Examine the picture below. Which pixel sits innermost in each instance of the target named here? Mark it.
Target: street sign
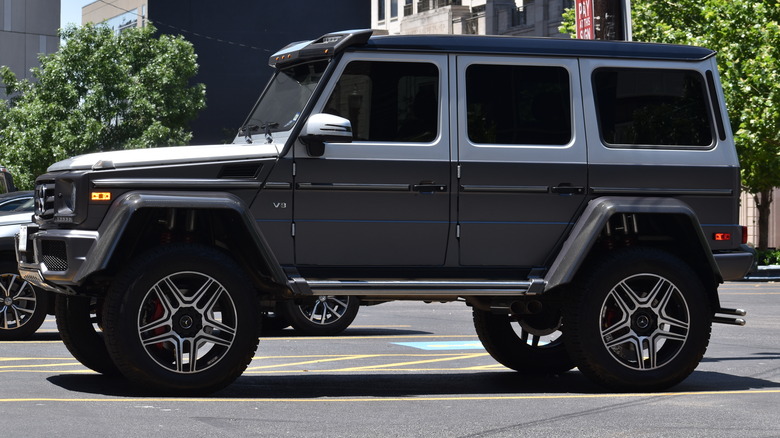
(585, 19)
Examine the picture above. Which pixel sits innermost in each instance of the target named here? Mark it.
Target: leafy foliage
(768, 257)
(100, 91)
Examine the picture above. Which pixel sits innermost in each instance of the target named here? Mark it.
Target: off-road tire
(171, 298)
(638, 296)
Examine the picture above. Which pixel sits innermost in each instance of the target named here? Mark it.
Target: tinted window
(388, 101)
(20, 204)
(652, 107)
(509, 104)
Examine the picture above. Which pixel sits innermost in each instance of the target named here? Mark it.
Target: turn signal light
(100, 196)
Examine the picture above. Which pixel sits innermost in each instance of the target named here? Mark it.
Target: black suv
(580, 196)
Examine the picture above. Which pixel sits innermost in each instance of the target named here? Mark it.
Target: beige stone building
(748, 215)
(118, 14)
(479, 17)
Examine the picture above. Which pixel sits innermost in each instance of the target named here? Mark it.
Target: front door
(384, 199)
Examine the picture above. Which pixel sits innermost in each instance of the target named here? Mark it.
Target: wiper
(267, 126)
(247, 131)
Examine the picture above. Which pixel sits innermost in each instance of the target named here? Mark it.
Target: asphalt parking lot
(405, 369)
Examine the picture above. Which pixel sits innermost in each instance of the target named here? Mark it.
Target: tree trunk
(763, 201)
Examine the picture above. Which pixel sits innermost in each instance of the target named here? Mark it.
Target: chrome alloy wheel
(326, 309)
(187, 322)
(19, 301)
(644, 321)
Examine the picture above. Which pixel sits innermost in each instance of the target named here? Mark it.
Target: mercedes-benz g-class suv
(580, 196)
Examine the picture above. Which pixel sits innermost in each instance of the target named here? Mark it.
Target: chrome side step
(422, 288)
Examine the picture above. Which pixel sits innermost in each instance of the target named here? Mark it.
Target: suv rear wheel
(182, 318)
(325, 315)
(641, 321)
(520, 346)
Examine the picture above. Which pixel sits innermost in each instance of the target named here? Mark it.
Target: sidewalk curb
(764, 273)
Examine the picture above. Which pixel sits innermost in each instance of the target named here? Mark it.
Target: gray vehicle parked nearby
(580, 196)
(23, 307)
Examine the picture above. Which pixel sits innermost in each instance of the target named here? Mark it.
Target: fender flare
(593, 220)
(122, 210)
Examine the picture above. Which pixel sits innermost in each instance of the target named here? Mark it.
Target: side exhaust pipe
(730, 320)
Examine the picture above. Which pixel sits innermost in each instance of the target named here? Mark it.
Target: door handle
(429, 187)
(568, 189)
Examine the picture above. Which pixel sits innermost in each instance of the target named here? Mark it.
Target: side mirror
(324, 128)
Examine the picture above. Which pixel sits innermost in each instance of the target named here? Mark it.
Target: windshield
(281, 105)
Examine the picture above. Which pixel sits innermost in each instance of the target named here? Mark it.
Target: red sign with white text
(585, 19)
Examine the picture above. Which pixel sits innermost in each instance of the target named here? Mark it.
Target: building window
(380, 10)
(393, 8)
(534, 107)
(408, 8)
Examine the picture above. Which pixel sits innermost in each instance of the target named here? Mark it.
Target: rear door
(522, 158)
(384, 199)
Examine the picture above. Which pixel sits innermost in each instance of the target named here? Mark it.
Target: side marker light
(100, 196)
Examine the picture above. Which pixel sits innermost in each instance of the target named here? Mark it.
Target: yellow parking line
(11, 359)
(748, 293)
(390, 399)
(347, 337)
(493, 366)
(357, 356)
(50, 371)
(30, 342)
(392, 365)
(4, 367)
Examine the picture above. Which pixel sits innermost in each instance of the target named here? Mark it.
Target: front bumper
(53, 259)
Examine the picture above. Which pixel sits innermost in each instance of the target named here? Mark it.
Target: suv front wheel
(640, 322)
(182, 318)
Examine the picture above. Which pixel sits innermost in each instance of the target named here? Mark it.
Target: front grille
(44, 199)
(54, 255)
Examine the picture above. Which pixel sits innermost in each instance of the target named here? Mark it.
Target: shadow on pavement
(318, 385)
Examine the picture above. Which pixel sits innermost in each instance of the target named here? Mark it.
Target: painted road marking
(416, 362)
(450, 345)
(392, 399)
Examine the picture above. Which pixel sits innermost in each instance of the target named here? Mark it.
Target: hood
(166, 155)
(15, 218)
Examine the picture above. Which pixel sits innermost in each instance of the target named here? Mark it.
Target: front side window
(388, 101)
(281, 105)
(518, 105)
(652, 107)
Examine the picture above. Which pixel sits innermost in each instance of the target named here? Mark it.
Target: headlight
(68, 205)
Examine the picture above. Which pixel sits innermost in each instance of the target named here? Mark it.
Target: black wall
(235, 38)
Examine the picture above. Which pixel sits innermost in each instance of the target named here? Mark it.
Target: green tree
(746, 35)
(100, 91)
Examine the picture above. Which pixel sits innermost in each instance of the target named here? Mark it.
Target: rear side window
(388, 101)
(652, 108)
(518, 104)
